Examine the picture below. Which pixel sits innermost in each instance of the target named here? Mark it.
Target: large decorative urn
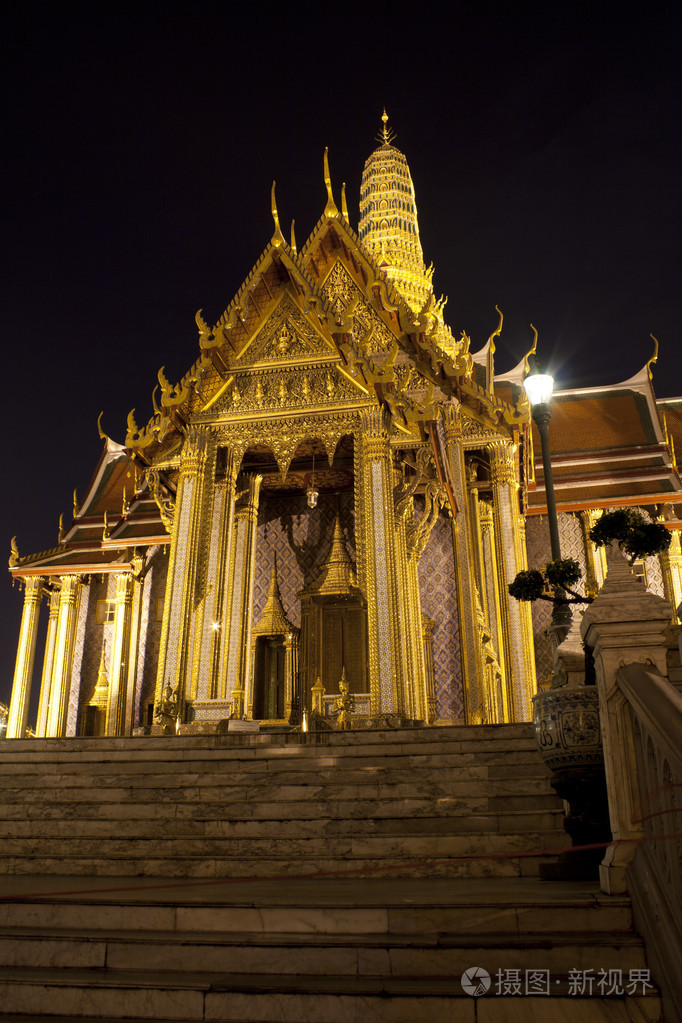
(566, 724)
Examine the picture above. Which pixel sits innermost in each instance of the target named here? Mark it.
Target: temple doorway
(269, 678)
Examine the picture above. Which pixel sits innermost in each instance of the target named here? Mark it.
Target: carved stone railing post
(624, 625)
(23, 671)
(60, 689)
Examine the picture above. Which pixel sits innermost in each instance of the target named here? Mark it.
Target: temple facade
(332, 500)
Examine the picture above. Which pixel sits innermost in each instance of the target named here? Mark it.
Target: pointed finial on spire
(344, 207)
(654, 357)
(330, 209)
(386, 135)
(293, 239)
(278, 237)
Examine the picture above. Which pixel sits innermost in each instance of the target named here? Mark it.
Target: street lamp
(539, 387)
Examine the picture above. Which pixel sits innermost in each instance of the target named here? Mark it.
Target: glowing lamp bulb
(312, 494)
(539, 387)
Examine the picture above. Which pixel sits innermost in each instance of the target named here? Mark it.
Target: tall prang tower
(389, 228)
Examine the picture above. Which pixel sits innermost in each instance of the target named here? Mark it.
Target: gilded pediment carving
(280, 389)
(342, 294)
(286, 336)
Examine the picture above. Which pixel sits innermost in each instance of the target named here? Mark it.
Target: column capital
(502, 462)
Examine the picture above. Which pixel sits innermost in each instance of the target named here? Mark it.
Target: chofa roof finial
(278, 237)
(330, 209)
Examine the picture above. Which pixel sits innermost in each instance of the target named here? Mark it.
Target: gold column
(207, 676)
(463, 545)
(185, 562)
(67, 617)
(48, 660)
(515, 616)
(238, 674)
(133, 644)
(591, 584)
(428, 625)
(377, 552)
(119, 655)
(409, 615)
(290, 670)
(23, 671)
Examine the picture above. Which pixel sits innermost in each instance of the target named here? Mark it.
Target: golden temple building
(337, 489)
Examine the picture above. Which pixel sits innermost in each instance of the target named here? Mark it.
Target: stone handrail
(654, 878)
(635, 646)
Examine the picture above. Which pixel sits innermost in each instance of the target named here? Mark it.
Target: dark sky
(141, 141)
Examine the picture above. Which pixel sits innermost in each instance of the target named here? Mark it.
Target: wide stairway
(327, 877)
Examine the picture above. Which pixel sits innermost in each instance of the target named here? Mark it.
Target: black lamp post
(539, 387)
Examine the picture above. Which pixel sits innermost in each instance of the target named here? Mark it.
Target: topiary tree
(636, 537)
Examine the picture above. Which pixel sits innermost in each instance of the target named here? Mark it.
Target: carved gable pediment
(286, 336)
(342, 293)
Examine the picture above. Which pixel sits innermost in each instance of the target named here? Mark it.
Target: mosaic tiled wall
(150, 632)
(301, 537)
(539, 553)
(89, 640)
(438, 595)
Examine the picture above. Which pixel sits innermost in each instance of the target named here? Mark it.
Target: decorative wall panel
(301, 537)
(438, 595)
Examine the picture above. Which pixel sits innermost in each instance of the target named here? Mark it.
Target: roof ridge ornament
(278, 237)
(344, 205)
(653, 359)
(385, 135)
(330, 209)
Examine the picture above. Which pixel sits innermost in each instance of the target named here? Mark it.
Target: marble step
(476, 764)
(204, 787)
(396, 737)
(388, 906)
(300, 810)
(326, 825)
(437, 954)
(501, 865)
(253, 758)
(287, 999)
(304, 848)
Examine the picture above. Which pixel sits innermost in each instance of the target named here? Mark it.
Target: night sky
(141, 143)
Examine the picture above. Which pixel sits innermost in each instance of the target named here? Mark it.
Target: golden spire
(278, 237)
(273, 621)
(330, 209)
(101, 692)
(388, 221)
(337, 574)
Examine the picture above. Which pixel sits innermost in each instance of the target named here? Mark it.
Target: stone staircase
(324, 877)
